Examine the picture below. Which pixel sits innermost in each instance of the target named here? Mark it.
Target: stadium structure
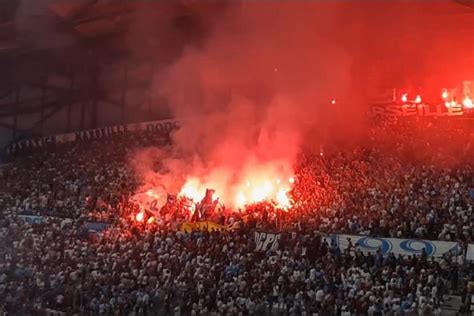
(72, 65)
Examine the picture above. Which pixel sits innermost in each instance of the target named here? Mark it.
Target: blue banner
(405, 247)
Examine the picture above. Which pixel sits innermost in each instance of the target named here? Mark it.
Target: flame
(467, 102)
(333, 101)
(193, 190)
(258, 194)
(265, 190)
(140, 216)
(150, 220)
(240, 200)
(259, 188)
(282, 199)
(418, 99)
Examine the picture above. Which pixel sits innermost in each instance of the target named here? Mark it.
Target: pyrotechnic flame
(417, 99)
(193, 190)
(333, 101)
(259, 194)
(259, 188)
(240, 200)
(453, 103)
(467, 102)
(282, 199)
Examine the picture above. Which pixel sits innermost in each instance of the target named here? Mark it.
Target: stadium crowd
(409, 179)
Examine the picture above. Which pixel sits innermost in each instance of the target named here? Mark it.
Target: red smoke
(259, 87)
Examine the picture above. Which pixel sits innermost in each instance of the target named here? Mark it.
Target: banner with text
(266, 241)
(163, 126)
(410, 110)
(405, 247)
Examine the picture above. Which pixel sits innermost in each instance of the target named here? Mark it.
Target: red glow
(333, 101)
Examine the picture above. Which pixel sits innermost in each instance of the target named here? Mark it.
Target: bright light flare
(333, 101)
(240, 200)
(150, 220)
(282, 199)
(257, 189)
(192, 190)
(266, 182)
(262, 190)
(444, 94)
(467, 102)
(259, 194)
(404, 97)
(418, 99)
(140, 216)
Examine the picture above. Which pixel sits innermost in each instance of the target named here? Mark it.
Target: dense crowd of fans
(408, 179)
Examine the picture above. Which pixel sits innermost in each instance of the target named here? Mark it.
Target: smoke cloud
(260, 86)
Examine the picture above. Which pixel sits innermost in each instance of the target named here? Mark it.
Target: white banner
(405, 247)
(266, 241)
(427, 110)
(153, 126)
(470, 252)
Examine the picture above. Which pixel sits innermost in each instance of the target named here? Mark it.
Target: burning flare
(444, 94)
(260, 187)
(404, 97)
(140, 216)
(467, 102)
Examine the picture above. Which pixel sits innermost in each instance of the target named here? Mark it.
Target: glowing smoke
(258, 90)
